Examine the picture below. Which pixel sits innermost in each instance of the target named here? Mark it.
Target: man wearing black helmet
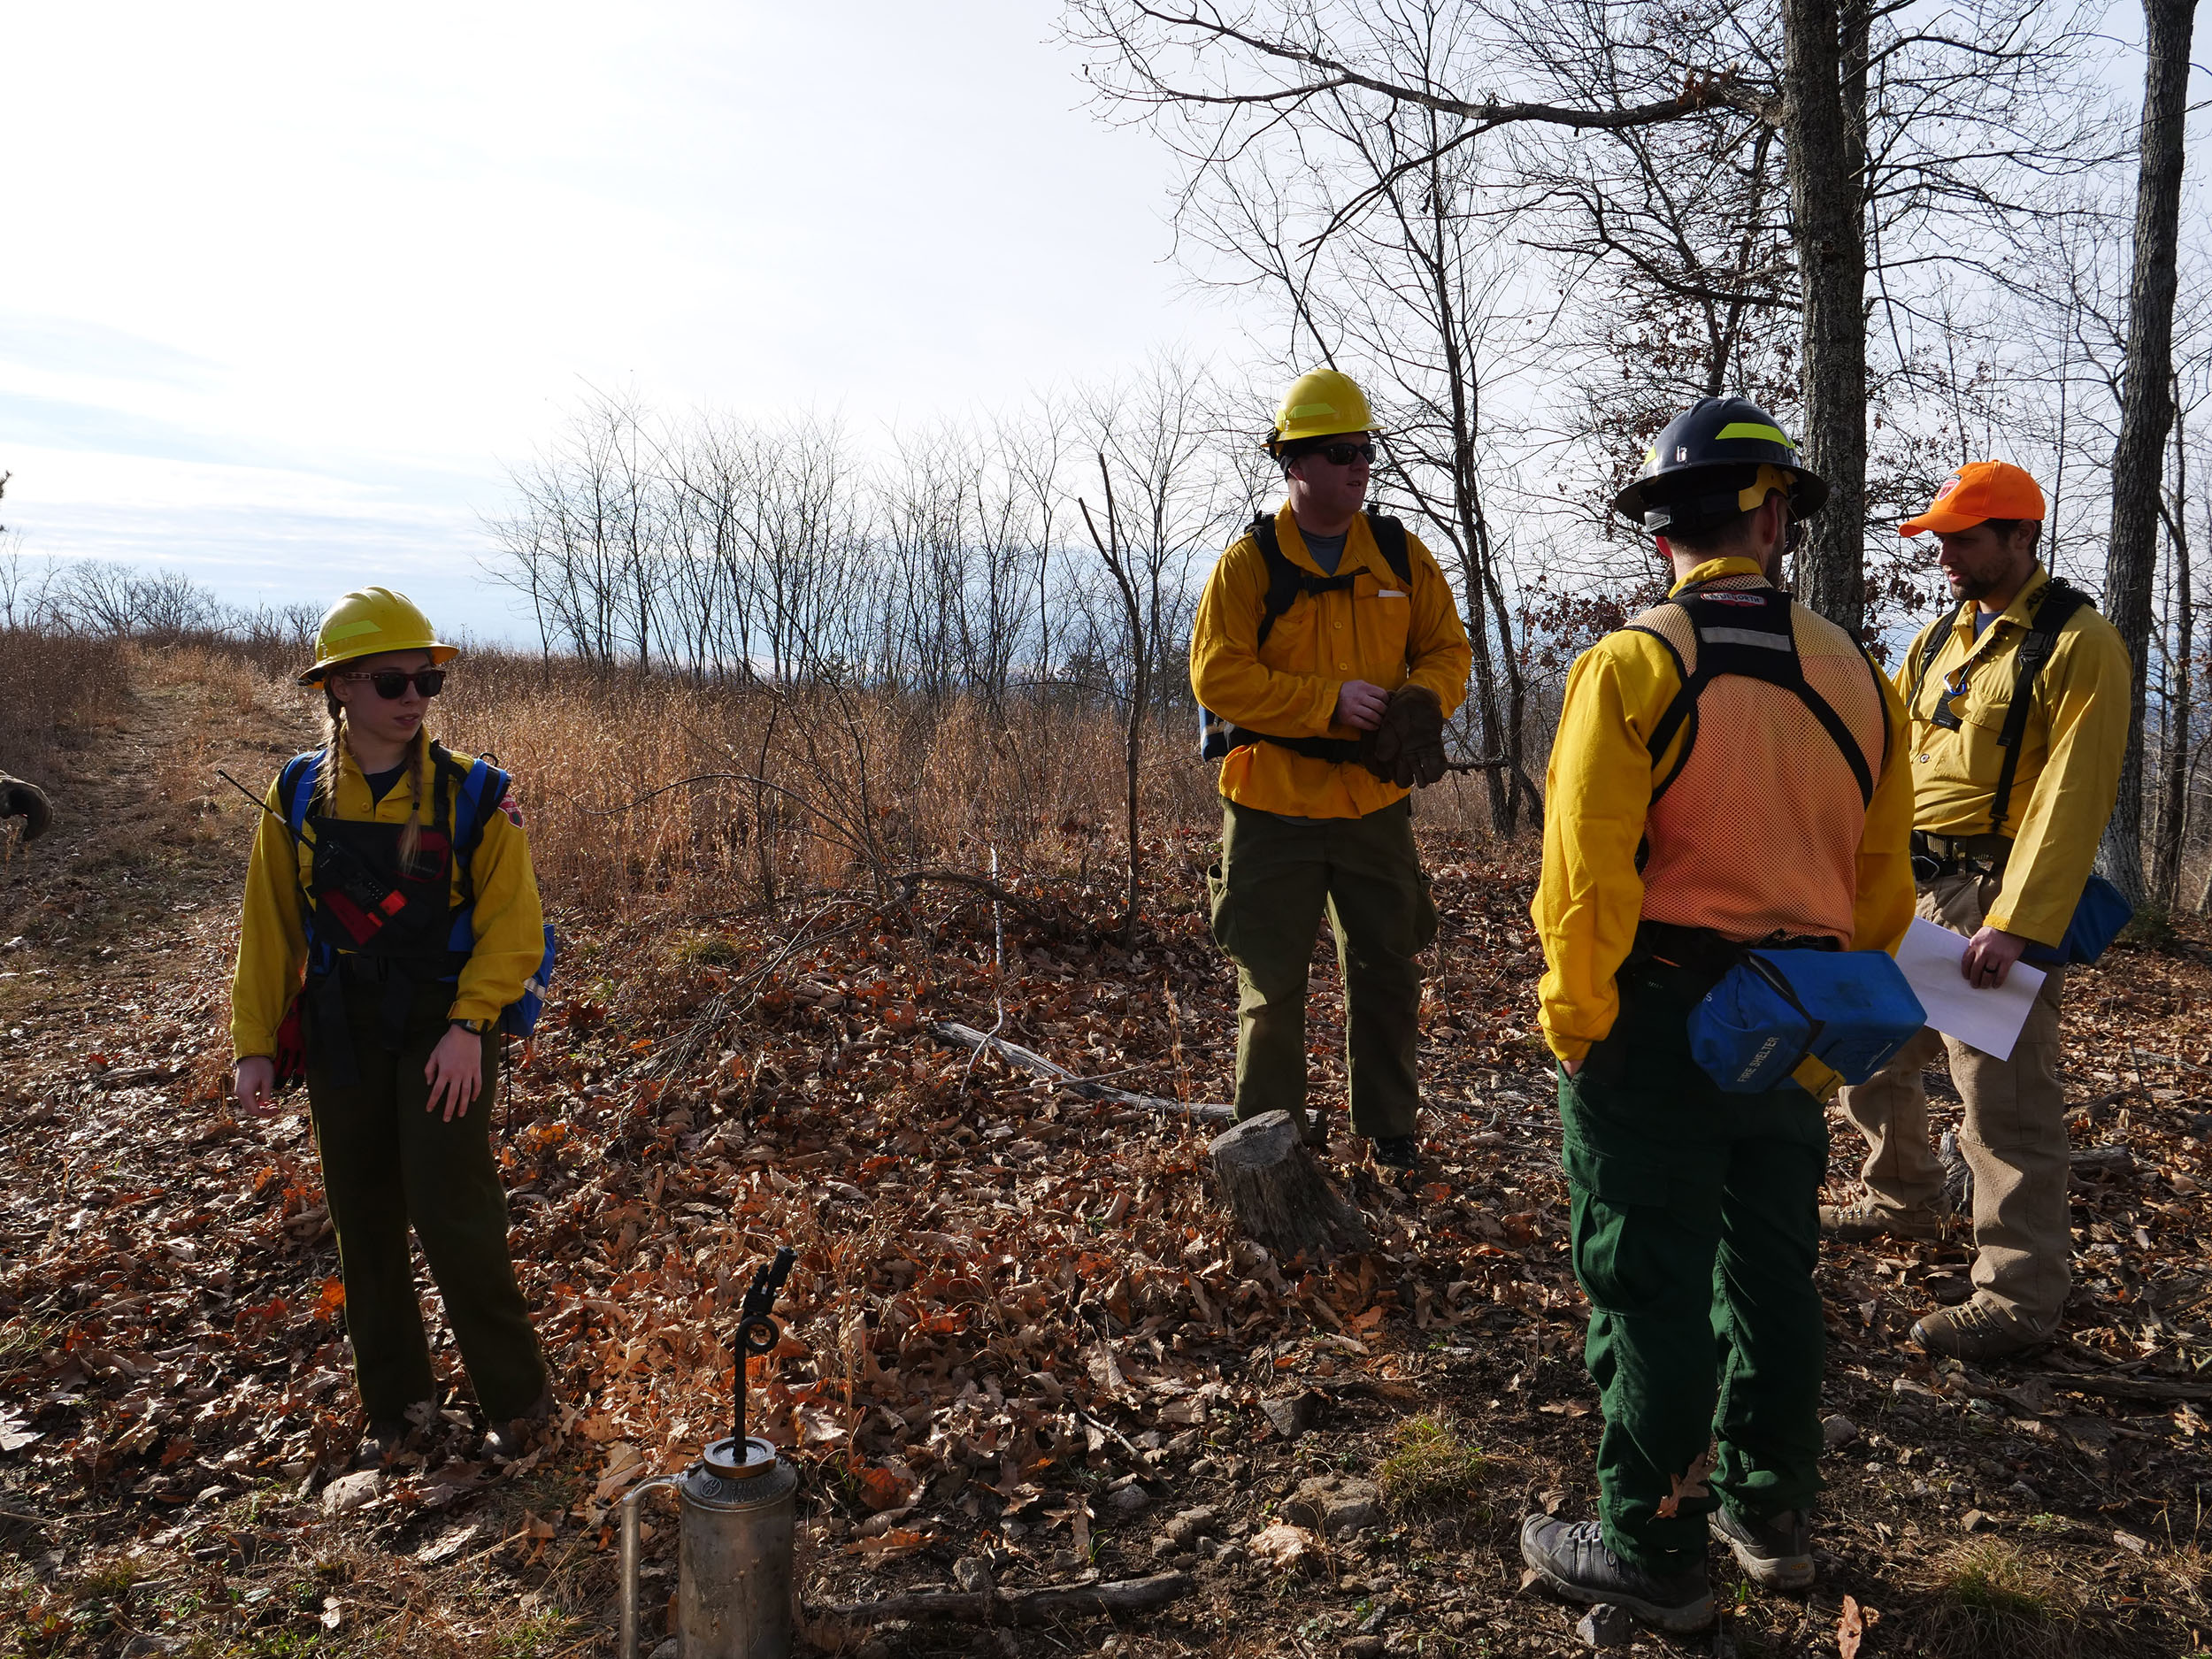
(1727, 772)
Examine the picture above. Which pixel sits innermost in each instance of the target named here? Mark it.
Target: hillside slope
(1022, 1336)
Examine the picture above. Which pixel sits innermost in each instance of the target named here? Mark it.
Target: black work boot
(1572, 1557)
(1397, 1152)
(1777, 1552)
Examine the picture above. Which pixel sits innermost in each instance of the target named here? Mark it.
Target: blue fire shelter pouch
(1847, 1011)
(2097, 922)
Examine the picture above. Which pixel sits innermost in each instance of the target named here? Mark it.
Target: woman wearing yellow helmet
(391, 915)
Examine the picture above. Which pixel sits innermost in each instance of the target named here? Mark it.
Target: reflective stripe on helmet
(1752, 429)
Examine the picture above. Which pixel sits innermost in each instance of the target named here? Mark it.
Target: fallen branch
(1029, 1060)
(1058, 927)
(2128, 1387)
(1023, 1607)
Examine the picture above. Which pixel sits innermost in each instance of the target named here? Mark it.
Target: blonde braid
(411, 833)
(334, 737)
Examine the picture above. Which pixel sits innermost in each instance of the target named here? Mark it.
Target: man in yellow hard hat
(1328, 648)
(2019, 701)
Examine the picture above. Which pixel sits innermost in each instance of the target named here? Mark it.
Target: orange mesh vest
(1753, 830)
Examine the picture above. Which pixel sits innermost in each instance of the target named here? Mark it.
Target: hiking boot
(506, 1441)
(380, 1442)
(1870, 1218)
(1975, 1330)
(1777, 1552)
(1572, 1557)
(1397, 1152)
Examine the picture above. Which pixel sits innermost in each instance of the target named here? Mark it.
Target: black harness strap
(2053, 612)
(2055, 608)
(324, 996)
(1747, 632)
(1285, 582)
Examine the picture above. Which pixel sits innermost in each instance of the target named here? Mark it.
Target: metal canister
(736, 1508)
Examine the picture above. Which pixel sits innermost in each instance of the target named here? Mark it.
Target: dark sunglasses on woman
(391, 683)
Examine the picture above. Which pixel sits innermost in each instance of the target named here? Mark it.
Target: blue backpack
(475, 796)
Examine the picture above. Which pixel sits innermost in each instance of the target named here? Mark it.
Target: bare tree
(2146, 410)
(1950, 125)
(1167, 509)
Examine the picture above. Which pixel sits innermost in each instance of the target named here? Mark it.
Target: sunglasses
(1345, 454)
(391, 683)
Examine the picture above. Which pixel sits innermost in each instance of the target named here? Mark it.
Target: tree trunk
(2146, 406)
(2173, 760)
(1824, 126)
(1279, 1197)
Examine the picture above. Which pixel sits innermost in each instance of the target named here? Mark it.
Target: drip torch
(736, 1505)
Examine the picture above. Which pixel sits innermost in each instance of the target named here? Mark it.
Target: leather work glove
(1407, 748)
(28, 801)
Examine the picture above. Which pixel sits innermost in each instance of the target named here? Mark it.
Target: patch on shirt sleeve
(511, 808)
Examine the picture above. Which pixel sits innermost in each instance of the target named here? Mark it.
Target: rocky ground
(1025, 1346)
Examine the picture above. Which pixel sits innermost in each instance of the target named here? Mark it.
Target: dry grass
(59, 690)
(793, 790)
(1995, 1598)
(1431, 1464)
(814, 790)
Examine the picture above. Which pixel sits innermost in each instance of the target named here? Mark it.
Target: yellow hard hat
(369, 622)
(1320, 404)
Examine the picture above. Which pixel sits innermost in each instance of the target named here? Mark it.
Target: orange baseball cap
(1978, 490)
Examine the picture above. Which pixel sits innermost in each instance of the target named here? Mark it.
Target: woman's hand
(456, 1073)
(257, 1085)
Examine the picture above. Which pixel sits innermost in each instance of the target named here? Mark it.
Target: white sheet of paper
(1988, 1019)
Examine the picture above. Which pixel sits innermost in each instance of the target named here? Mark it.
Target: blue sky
(287, 289)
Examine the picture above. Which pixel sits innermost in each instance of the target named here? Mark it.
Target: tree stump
(1280, 1197)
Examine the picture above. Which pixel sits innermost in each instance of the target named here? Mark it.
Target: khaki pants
(2014, 1138)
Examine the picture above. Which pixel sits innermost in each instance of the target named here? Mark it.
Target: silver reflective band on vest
(1746, 636)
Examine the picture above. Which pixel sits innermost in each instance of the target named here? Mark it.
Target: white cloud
(280, 271)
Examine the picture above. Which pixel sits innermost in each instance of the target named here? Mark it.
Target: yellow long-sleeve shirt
(510, 922)
(1374, 631)
(2069, 754)
(1760, 849)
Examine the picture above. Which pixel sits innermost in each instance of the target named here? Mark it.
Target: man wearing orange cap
(2007, 817)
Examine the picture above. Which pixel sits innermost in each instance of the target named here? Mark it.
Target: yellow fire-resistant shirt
(271, 964)
(1764, 850)
(1374, 631)
(2069, 754)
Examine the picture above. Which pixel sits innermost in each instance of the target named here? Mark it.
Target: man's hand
(1989, 957)
(1360, 705)
(1408, 748)
(1570, 1067)
(456, 1073)
(257, 1085)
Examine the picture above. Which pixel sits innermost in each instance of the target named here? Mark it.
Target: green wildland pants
(1696, 1230)
(388, 1163)
(1278, 877)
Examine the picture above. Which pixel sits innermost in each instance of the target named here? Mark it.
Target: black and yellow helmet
(1718, 458)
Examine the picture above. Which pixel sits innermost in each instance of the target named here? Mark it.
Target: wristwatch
(474, 1027)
